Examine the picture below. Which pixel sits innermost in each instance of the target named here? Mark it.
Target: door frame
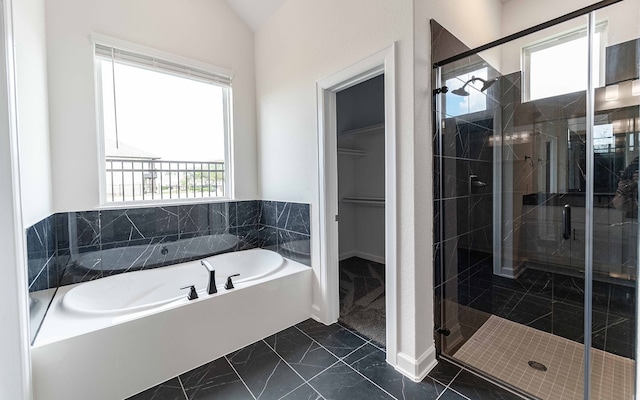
(15, 349)
(381, 62)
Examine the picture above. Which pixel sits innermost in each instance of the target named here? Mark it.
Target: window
(476, 101)
(558, 65)
(165, 126)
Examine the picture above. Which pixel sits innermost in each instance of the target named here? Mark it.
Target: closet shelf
(352, 152)
(366, 129)
(372, 201)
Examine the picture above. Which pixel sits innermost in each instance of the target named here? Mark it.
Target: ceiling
(255, 13)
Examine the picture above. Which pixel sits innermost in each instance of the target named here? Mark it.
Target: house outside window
(164, 125)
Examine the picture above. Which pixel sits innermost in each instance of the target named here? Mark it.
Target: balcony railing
(131, 179)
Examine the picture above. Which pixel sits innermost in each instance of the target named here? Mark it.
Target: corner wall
(203, 30)
(33, 113)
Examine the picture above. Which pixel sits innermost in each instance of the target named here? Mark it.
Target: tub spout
(211, 286)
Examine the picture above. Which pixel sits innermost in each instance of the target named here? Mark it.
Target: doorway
(327, 308)
(361, 198)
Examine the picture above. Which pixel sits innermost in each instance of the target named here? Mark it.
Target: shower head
(461, 91)
(486, 84)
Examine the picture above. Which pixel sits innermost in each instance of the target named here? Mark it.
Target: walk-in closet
(361, 208)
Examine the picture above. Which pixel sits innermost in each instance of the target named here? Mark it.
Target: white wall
(32, 104)
(203, 30)
(303, 42)
(362, 227)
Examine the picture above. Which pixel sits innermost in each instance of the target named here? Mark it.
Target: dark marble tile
(169, 390)
(437, 266)
(268, 214)
(342, 382)
(370, 362)
(444, 372)
(193, 219)
(203, 245)
(136, 255)
(52, 271)
(529, 309)
(36, 240)
(36, 263)
(83, 264)
(301, 353)
(449, 394)
(304, 392)
(219, 217)
(618, 347)
(295, 246)
(84, 229)
(40, 281)
(215, 380)
(267, 237)
(244, 213)
(336, 339)
(61, 227)
(266, 375)
(248, 237)
(293, 217)
(474, 387)
(138, 223)
(622, 300)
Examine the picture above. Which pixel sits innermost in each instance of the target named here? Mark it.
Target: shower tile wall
(67, 248)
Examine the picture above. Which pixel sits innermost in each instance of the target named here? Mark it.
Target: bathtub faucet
(211, 287)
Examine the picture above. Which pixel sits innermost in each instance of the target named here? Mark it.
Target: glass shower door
(530, 155)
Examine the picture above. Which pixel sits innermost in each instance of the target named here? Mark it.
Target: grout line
(341, 359)
(183, 389)
(283, 360)
(305, 381)
(239, 377)
(375, 384)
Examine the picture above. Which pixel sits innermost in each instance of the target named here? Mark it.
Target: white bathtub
(142, 290)
(139, 329)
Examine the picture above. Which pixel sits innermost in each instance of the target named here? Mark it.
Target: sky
(173, 118)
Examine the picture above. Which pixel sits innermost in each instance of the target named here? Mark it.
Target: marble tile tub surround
(314, 361)
(74, 247)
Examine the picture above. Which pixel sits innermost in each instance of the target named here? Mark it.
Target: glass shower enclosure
(536, 206)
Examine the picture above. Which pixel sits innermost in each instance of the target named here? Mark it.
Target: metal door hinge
(443, 89)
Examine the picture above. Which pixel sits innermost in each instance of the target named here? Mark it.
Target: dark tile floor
(549, 301)
(315, 361)
(362, 298)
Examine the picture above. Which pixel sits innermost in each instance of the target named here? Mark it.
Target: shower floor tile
(503, 348)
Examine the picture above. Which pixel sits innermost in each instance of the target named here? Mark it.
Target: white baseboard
(417, 369)
(365, 256)
(347, 255)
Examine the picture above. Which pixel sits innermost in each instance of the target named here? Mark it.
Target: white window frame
(104, 40)
(555, 40)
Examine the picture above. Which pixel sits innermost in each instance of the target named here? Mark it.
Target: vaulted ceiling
(255, 12)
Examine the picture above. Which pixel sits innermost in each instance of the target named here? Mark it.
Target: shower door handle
(566, 222)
